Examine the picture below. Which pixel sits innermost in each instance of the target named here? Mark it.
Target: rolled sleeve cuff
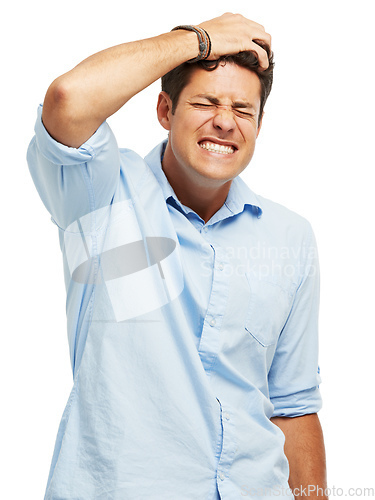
(298, 404)
(59, 154)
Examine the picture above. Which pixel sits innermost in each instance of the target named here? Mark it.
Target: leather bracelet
(209, 43)
(203, 39)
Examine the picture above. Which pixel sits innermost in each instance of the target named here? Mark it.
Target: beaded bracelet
(203, 39)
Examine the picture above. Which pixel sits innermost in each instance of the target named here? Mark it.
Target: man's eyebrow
(243, 104)
(236, 104)
(208, 97)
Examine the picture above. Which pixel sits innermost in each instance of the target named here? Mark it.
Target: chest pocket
(269, 307)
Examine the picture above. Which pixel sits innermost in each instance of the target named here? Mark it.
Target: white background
(314, 155)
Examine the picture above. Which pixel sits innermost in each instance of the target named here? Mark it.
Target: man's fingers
(266, 38)
(234, 33)
(261, 54)
(259, 39)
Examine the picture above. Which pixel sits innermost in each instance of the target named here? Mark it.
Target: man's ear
(164, 110)
(260, 124)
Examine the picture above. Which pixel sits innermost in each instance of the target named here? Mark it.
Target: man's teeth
(217, 148)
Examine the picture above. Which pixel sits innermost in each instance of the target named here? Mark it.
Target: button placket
(210, 339)
(229, 444)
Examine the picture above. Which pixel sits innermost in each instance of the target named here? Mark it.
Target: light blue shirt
(185, 337)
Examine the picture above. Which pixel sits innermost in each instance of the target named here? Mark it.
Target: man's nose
(224, 119)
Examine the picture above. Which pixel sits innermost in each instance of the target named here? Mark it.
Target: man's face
(214, 127)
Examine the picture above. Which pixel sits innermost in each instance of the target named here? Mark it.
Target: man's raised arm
(78, 102)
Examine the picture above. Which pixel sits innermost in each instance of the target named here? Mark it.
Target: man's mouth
(217, 148)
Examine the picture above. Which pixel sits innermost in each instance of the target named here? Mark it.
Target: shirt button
(205, 229)
(226, 416)
(213, 322)
(220, 266)
(221, 476)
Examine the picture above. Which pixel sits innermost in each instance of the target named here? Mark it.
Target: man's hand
(233, 33)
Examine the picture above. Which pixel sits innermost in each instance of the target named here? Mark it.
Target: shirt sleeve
(294, 374)
(73, 182)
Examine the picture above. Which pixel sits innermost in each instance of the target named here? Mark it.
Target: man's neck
(206, 203)
(204, 200)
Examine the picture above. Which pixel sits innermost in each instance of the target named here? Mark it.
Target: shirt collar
(153, 160)
(240, 196)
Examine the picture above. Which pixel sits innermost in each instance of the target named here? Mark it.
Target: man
(191, 301)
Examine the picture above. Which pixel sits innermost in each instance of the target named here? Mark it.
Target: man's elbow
(63, 113)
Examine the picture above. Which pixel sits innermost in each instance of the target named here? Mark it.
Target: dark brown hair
(174, 82)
